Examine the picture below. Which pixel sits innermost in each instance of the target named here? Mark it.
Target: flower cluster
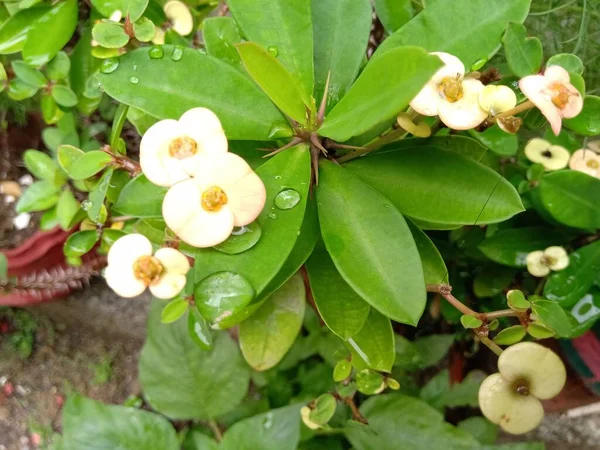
(587, 161)
(552, 157)
(541, 262)
(180, 20)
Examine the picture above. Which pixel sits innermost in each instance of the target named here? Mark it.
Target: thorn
(332, 144)
(314, 157)
(314, 139)
(323, 105)
(293, 142)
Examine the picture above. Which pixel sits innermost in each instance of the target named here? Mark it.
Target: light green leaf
(383, 89)
(132, 8)
(341, 31)
(3, 266)
(109, 34)
(274, 80)
(450, 26)
(59, 67)
(511, 335)
(66, 208)
(83, 64)
(13, 32)
(291, 40)
(553, 316)
(470, 321)
(64, 96)
(197, 440)
(439, 186)
(370, 244)
(144, 30)
(184, 382)
(269, 333)
(19, 90)
(587, 122)
(393, 14)
(40, 165)
(167, 89)
(571, 198)
(539, 331)
(374, 346)
(434, 268)
(174, 310)
(28, 74)
(567, 61)
(524, 54)
(67, 155)
(343, 310)
(97, 195)
(140, 120)
(51, 33)
(39, 196)
(89, 164)
(89, 425)
(141, 198)
(220, 36)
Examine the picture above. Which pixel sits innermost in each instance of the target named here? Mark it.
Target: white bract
(586, 161)
(305, 415)
(171, 147)
(496, 99)
(224, 193)
(451, 96)
(132, 268)
(552, 157)
(541, 262)
(528, 373)
(180, 17)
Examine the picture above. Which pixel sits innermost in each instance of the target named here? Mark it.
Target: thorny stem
(376, 145)
(123, 162)
(214, 427)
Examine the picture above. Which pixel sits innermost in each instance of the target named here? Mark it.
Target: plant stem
(445, 291)
(214, 426)
(502, 313)
(356, 414)
(490, 344)
(528, 104)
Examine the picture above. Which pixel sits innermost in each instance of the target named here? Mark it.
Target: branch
(445, 290)
(214, 426)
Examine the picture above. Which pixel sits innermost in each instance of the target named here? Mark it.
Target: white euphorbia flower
(451, 96)
(170, 147)
(552, 157)
(586, 161)
(305, 415)
(180, 17)
(496, 99)
(541, 262)
(553, 94)
(528, 373)
(223, 193)
(132, 268)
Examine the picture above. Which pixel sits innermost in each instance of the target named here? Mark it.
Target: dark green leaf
(524, 54)
(220, 36)
(492, 280)
(184, 382)
(567, 61)
(386, 86)
(174, 310)
(481, 429)
(552, 316)
(88, 164)
(167, 88)
(64, 96)
(585, 313)
(242, 239)
(222, 295)
(84, 65)
(373, 346)
(28, 74)
(498, 141)
(432, 349)
(39, 196)
(97, 196)
(370, 244)
(80, 243)
(434, 268)
(13, 32)
(587, 122)
(197, 440)
(394, 13)
(140, 198)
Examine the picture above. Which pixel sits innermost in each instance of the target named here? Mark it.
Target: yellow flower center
(183, 147)
(592, 163)
(213, 199)
(147, 269)
(559, 95)
(451, 88)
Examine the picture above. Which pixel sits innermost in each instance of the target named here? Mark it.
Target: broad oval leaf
(341, 31)
(587, 122)
(385, 87)
(141, 198)
(370, 244)
(343, 310)
(374, 345)
(439, 186)
(274, 80)
(13, 31)
(80, 243)
(524, 54)
(394, 13)
(434, 267)
(269, 333)
(552, 316)
(89, 164)
(39, 196)
(88, 425)
(184, 382)
(569, 285)
(510, 247)
(567, 61)
(132, 8)
(220, 36)
(167, 88)
(450, 26)
(291, 40)
(571, 198)
(40, 165)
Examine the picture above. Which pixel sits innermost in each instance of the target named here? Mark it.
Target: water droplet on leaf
(134, 80)
(86, 204)
(202, 51)
(222, 295)
(156, 52)
(241, 239)
(272, 215)
(109, 65)
(273, 50)
(198, 330)
(177, 53)
(287, 199)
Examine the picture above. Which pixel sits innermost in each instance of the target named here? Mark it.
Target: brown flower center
(183, 147)
(213, 199)
(147, 269)
(521, 387)
(559, 95)
(548, 260)
(547, 154)
(451, 88)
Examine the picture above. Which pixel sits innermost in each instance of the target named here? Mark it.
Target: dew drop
(277, 177)
(287, 199)
(135, 67)
(278, 132)
(177, 53)
(273, 50)
(241, 239)
(109, 65)
(86, 204)
(202, 51)
(272, 215)
(156, 52)
(134, 80)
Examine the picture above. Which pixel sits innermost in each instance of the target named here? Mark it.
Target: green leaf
(220, 36)
(470, 321)
(569, 285)
(197, 440)
(370, 244)
(66, 208)
(89, 164)
(58, 69)
(144, 29)
(83, 64)
(373, 347)
(341, 31)
(571, 198)
(343, 310)
(432, 349)
(342, 370)
(385, 87)
(64, 96)
(184, 382)
(539, 331)
(524, 54)
(19, 90)
(552, 316)
(140, 120)
(28, 74)
(480, 428)
(511, 335)
(498, 141)
(141, 198)
(274, 80)
(278, 429)
(13, 32)
(89, 425)
(393, 14)
(269, 333)
(324, 409)
(39, 196)
(587, 122)
(510, 247)
(369, 382)
(110, 34)
(567, 61)
(439, 186)
(242, 239)
(51, 33)
(492, 280)
(80, 243)
(291, 40)
(199, 331)
(40, 165)
(516, 300)
(97, 196)
(3, 266)
(395, 418)
(168, 88)
(132, 8)
(434, 268)
(222, 295)
(261, 264)
(450, 26)
(67, 155)
(174, 310)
